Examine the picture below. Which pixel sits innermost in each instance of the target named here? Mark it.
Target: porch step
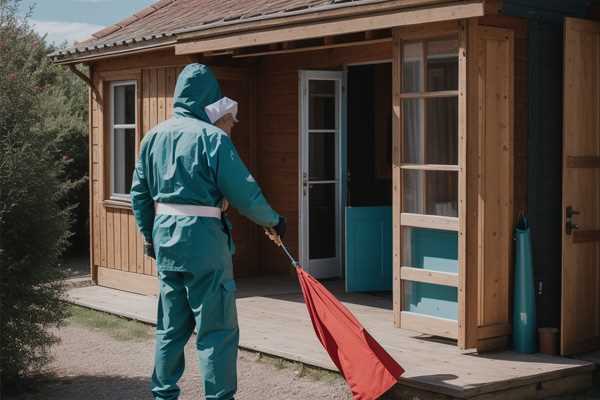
(278, 325)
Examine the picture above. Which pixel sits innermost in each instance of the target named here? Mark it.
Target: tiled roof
(162, 21)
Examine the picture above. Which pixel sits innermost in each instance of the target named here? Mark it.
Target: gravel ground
(93, 365)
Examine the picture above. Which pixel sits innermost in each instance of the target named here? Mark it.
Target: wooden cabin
(401, 139)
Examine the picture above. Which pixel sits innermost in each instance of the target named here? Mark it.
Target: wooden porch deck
(273, 320)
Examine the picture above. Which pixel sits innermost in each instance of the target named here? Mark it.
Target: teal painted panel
(434, 300)
(434, 249)
(368, 249)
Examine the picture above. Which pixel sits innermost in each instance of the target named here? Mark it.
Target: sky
(76, 20)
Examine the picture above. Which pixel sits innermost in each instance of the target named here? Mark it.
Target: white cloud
(58, 31)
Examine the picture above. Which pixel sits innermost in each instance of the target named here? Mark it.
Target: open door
(580, 323)
(368, 213)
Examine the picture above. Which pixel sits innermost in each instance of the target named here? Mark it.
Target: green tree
(34, 222)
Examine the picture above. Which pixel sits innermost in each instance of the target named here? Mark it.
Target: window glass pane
(321, 152)
(412, 59)
(441, 133)
(442, 65)
(123, 160)
(124, 107)
(431, 249)
(430, 192)
(429, 299)
(322, 220)
(413, 138)
(436, 141)
(321, 107)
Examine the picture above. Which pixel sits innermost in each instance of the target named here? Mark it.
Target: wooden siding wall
(278, 132)
(496, 172)
(116, 244)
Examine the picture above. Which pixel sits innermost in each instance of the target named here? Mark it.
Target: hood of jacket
(196, 88)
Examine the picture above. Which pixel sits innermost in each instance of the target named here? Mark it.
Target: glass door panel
(320, 194)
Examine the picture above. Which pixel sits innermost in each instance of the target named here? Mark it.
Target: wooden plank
(132, 243)
(93, 220)
(117, 243)
(471, 278)
(428, 31)
(110, 239)
(430, 325)
(161, 97)
(429, 95)
(583, 162)
(496, 102)
(146, 85)
(139, 252)
(586, 236)
(430, 167)
(128, 281)
(396, 175)
(429, 276)
(359, 24)
(580, 300)
(125, 246)
(310, 48)
(429, 221)
(495, 330)
(465, 321)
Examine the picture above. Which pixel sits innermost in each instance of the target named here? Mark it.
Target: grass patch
(301, 370)
(119, 328)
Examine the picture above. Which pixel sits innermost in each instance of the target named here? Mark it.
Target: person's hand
(277, 232)
(149, 250)
(224, 206)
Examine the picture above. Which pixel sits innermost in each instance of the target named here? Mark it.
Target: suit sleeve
(239, 187)
(142, 202)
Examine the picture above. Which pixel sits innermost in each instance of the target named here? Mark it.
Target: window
(430, 131)
(122, 138)
(430, 177)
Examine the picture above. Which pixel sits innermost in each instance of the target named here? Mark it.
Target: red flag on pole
(367, 368)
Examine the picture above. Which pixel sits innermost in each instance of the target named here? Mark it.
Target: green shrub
(33, 220)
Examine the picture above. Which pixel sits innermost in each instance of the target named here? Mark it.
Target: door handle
(570, 225)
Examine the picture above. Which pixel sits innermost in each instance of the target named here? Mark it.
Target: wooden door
(580, 330)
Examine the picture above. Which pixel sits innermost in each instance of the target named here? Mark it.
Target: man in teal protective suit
(187, 168)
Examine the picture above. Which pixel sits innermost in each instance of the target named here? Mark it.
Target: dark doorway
(370, 135)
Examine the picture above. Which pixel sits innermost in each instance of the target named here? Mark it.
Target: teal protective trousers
(207, 300)
(186, 160)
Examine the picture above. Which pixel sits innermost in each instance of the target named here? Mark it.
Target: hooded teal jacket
(186, 160)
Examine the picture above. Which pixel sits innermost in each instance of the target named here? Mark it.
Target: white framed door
(320, 192)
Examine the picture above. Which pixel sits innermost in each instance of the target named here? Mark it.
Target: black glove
(280, 228)
(149, 250)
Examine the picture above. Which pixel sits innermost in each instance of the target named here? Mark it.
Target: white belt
(187, 210)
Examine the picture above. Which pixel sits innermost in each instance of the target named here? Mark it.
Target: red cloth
(367, 368)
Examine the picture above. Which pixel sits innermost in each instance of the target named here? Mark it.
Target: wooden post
(396, 174)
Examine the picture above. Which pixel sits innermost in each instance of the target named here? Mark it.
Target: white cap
(218, 109)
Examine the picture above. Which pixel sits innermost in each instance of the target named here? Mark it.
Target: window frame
(424, 93)
(120, 197)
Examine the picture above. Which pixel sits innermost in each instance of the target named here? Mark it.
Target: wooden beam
(583, 162)
(396, 175)
(242, 54)
(495, 330)
(128, 281)
(429, 276)
(430, 167)
(429, 221)
(358, 24)
(86, 79)
(429, 325)
(430, 95)
(586, 236)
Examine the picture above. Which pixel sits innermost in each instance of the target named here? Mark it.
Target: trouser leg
(212, 299)
(175, 324)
